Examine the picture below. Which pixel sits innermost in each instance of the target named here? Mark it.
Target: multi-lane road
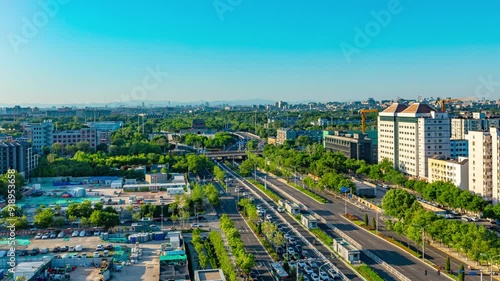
(402, 261)
(295, 230)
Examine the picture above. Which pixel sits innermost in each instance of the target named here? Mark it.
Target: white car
(71, 249)
(82, 234)
(195, 225)
(475, 218)
(314, 277)
(96, 254)
(38, 236)
(334, 274)
(291, 250)
(308, 269)
(269, 217)
(75, 233)
(78, 248)
(46, 236)
(287, 236)
(281, 210)
(324, 276)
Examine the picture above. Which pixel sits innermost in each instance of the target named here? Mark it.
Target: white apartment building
(410, 135)
(484, 166)
(455, 171)
(40, 134)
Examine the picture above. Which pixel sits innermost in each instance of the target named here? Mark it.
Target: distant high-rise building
(460, 126)
(409, 135)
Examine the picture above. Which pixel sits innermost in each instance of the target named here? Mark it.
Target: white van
(78, 248)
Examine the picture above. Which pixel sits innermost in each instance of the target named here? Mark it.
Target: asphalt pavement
(402, 261)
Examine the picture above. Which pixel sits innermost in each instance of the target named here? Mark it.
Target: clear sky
(81, 51)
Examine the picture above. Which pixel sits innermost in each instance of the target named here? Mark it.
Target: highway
(402, 261)
(298, 228)
(252, 244)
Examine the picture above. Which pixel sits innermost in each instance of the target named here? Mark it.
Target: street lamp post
(423, 240)
(162, 204)
(491, 265)
(265, 182)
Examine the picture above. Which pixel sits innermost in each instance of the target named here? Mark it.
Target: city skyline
(68, 52)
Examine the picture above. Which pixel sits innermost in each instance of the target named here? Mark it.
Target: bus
(279, 273)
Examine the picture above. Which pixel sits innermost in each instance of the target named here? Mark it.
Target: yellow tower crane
(441, 103)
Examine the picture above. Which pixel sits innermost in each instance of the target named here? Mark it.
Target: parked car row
(49, 235)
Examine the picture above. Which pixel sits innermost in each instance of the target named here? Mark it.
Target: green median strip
(309, 193)
(368, 273)
(267, 191)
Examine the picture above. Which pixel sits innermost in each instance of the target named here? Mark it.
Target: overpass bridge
(223, 155)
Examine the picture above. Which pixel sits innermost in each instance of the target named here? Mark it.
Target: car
(71, 249)
(96, 254)
(75, 233)
(195, 225)
(280, 209)
(245, 194)
(333, 273)
(287, 236)
(466, 219)
(259, 207)
(105, 253)
(312, 263)
(306, 254)
(56, 249)
(38, 236)
(61, 234)
(305, 278)
(52, 235)
(88, 233)
(99, 248)
(201, 218)
(64, 248)
(295, 256)
(44, 251)
(253, 275)
(82, 233)
(22, 253)
(78, 248)
(109, 247)
(308, 269)
(269, 217)
(292, 241)
(46, 236)
(291, 250)
(34, 251)
(84, 255)
(476, 219)
(280, 251)
(301, 264)
(292, 264)
(97, 233)
(323, 275)
(314, 277)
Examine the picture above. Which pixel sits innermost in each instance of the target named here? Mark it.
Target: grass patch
(309, 193)
(325, 238)
(360, 223)
(368, 273)
(267, 191)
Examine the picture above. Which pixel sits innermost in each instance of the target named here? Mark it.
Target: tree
(247, 167)
(212, 194)
(447, 266)
(461, 274)
(301, 277)
(44, 219)
(203, 259)
(366, 219)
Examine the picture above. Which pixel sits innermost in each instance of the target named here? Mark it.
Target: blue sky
(99, 51)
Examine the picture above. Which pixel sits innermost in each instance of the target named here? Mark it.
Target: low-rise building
(209, 275)
(347, 251)
(19, 156)
(455, 171)
(72, 137)
(355, 146)
(292, 208)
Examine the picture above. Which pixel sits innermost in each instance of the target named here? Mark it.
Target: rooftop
(209, 275)
(395, 108)
(419, 108)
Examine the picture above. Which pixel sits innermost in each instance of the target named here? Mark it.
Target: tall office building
(40, 134)
(410, 135)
